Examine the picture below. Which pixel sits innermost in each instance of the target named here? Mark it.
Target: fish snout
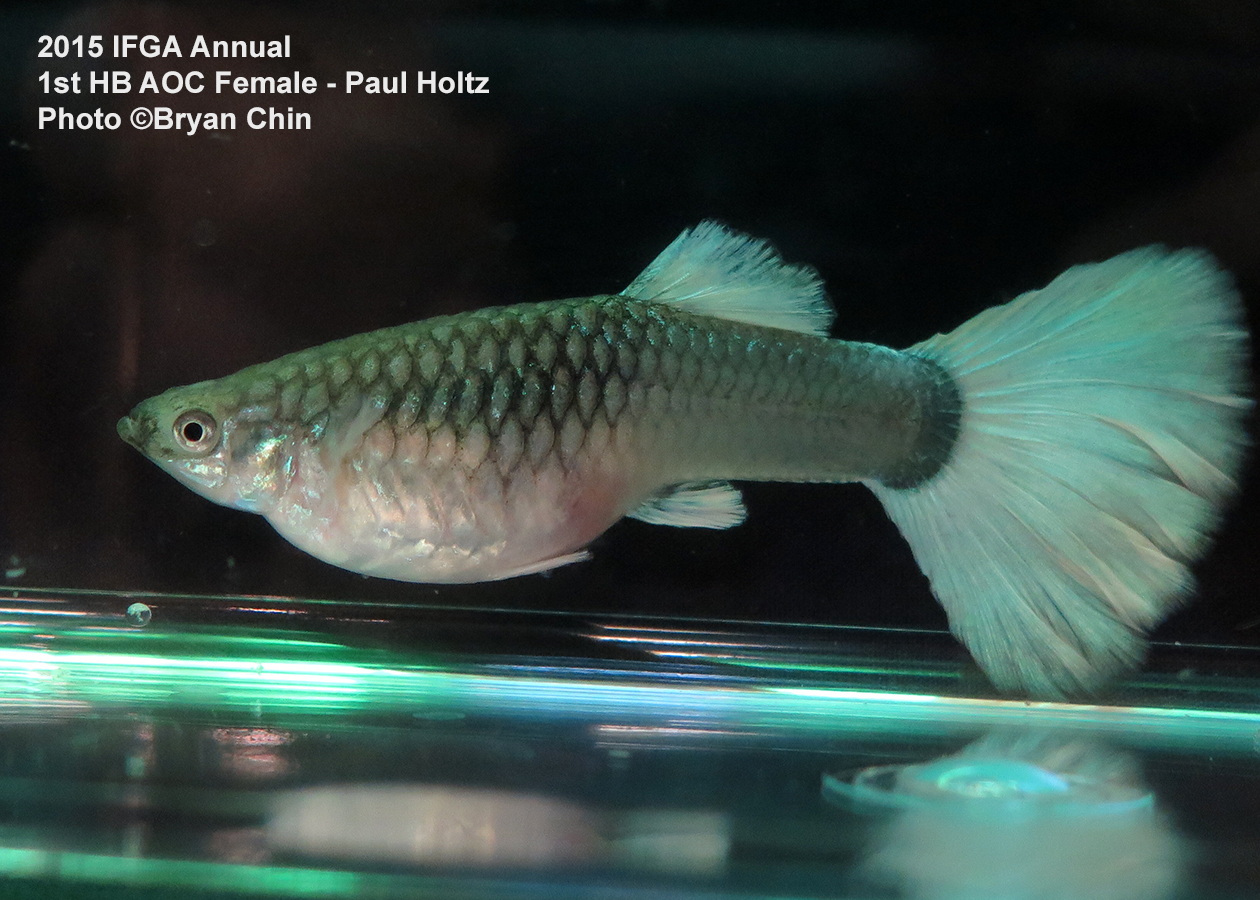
(135, 432)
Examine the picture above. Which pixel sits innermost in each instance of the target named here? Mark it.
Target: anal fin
(704, 504)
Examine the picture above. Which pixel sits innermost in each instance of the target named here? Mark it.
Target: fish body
(500, 442)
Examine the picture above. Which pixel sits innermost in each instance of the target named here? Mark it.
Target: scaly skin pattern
(499, 442)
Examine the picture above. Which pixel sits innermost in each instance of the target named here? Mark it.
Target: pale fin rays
(711, 504)
(710, 270)
(1102, 432)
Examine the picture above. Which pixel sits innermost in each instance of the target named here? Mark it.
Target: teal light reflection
(368, 681)
(139, 872)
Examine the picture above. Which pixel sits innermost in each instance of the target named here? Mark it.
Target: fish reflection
(253, 753)
(1017, 815)
(422, 824)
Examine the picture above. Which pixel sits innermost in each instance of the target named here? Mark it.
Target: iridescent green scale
(483, 368)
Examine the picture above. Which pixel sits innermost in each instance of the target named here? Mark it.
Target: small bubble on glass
(139, 614)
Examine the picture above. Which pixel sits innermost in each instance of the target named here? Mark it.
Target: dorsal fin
(713, 271)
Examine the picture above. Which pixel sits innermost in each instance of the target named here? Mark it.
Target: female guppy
(1055, 463)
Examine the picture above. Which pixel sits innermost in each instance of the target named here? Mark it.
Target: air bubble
(138, 614)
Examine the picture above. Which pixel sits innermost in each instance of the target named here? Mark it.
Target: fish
(1056, 463)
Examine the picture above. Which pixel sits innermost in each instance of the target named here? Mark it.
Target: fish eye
(196, 431)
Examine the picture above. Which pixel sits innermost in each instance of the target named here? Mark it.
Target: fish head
(214, 442)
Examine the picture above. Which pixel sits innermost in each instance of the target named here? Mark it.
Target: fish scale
(568, 368)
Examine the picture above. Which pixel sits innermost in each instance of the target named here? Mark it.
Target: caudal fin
(1102, 431)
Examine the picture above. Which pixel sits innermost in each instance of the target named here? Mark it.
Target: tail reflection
(1017, 815)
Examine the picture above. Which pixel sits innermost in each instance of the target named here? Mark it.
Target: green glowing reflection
(280, 681)
(139, 872)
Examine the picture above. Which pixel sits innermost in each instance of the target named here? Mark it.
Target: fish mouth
(134, 431)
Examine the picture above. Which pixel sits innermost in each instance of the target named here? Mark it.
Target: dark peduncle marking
(941, 416)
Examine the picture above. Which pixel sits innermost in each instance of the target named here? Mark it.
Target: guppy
(1055, 463)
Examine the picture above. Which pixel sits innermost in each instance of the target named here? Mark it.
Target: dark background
(929, 159)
